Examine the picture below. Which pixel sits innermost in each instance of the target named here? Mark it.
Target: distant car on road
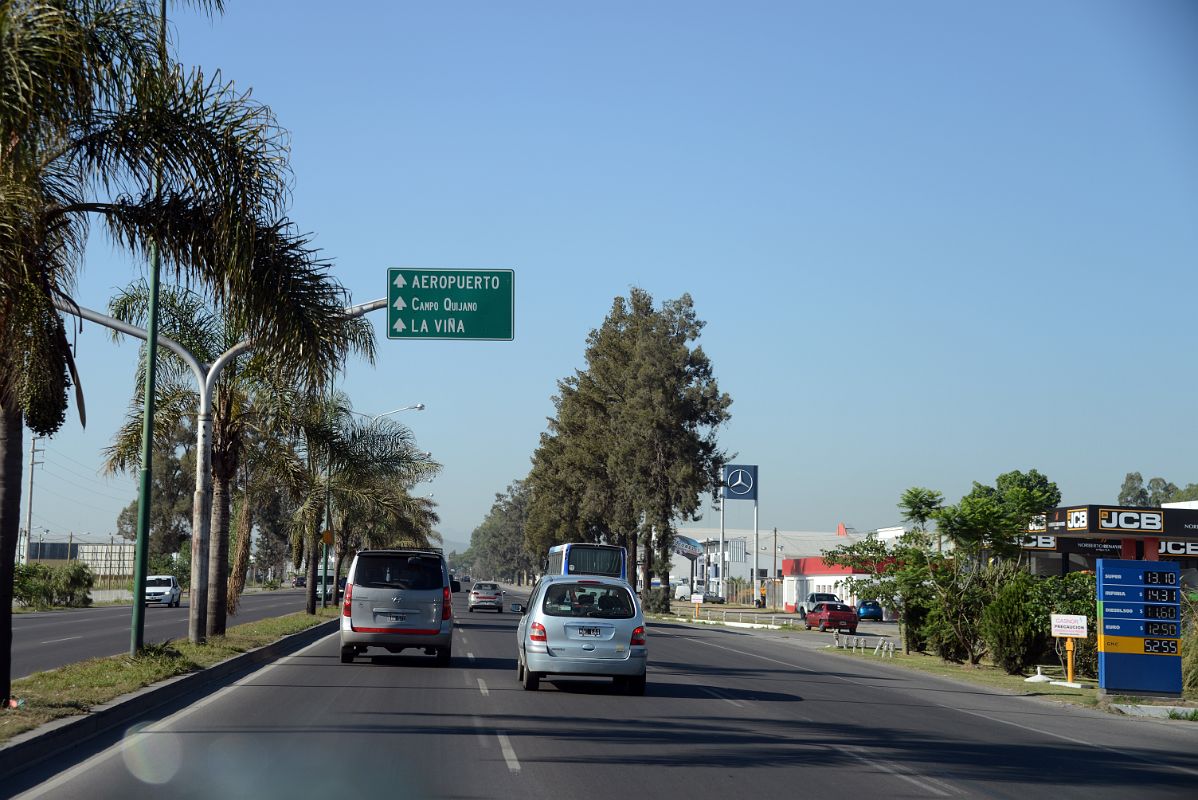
(831, 615)
(299, 581)
(869, 609)
(817, 597)
(712, 597)
(163, 589)
(486, 595)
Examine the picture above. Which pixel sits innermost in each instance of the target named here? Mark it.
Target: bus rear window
(595, 561)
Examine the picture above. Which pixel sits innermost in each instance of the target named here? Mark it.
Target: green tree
(243, 405)
(363, 473)
(173, 488)
(919, 505)
(634, 443)
(1160, 491)
(498, 545)
(106, 128)
(1132, 492)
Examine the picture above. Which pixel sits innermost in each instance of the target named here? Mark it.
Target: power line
(132, 489)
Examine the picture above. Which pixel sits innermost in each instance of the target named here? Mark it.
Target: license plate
(397, 617)
(588, 631)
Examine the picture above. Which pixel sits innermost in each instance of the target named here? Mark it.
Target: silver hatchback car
(577, 625)
(398, 599)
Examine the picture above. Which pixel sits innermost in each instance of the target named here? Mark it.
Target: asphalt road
(728, 714)
(43, 640)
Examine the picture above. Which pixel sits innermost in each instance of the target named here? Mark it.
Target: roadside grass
(984, 674)
(76, 688)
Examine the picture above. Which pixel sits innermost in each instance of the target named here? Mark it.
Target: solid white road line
(69, 638)
(482, 687)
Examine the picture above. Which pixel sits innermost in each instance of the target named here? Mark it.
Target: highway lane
(727, 714)
(44, 640)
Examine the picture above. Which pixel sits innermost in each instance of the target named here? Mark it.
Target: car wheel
(852, 630)
(636, 685)
(470, 609)
(347, 655)
(443, 656)
(531, 680)
(499, 609)
(822, 627)
(802, 611)
(807, 625)
(519, 670)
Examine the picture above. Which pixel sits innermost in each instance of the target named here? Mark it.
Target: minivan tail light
(349, 593)
(638, 636)
(536, 633)
(447, 607)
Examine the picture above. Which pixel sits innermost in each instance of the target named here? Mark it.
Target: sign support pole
(756, 548)
(720, 560)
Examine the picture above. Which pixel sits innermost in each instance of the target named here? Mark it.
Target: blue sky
(932, 241)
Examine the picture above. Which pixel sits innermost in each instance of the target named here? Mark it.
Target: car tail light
(638, 636)
(349, 593)
(536, 633)
(447, 609)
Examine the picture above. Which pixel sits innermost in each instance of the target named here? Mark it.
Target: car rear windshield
(485, 587)
(158, 581)
(398, 572)
(588, 600)
(837, 607)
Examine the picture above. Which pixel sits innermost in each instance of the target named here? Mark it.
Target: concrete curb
(39, 744)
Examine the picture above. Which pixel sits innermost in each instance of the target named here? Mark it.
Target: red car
(832, 615)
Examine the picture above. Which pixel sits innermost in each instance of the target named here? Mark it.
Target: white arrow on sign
(399, 304)
(399, 326)
(400, 282)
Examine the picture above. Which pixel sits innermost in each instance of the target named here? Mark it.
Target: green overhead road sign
(451, 304)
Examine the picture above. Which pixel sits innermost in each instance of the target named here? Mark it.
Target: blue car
(869, 609)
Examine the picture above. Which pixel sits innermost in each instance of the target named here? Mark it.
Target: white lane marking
(69, 638)
(470, 656)
(924, 783)
(481, 732)
(482, 687)
(720, 696)
(52, 785)
(509, 755)
(1121, 753)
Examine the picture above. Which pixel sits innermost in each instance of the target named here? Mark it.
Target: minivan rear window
(398, 572)
(587, 600)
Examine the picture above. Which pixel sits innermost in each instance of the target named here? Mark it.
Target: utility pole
(23, 552)
(774, 572)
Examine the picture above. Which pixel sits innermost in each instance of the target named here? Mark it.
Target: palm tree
(352, 474)
(243, 405)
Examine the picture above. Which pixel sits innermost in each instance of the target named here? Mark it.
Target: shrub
(1010, 625)
(42, 586)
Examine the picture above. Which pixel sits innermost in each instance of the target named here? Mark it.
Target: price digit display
(1161, 646)
(1160, 612)
(1155, 595)
(1160, 628)
(1160, 578)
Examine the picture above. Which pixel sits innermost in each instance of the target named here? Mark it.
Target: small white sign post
(697, 599)
(1069, 627)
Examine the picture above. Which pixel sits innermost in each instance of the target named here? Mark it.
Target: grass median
(77, 688)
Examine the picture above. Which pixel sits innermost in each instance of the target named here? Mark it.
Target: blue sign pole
(739, 483)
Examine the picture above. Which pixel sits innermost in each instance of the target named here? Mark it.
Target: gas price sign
(1139, 629)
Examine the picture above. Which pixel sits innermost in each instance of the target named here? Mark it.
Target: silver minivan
(577, 625)
(398, 599)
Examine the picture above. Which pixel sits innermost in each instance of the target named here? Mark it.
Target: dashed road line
(509, 755)
(482, 687)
